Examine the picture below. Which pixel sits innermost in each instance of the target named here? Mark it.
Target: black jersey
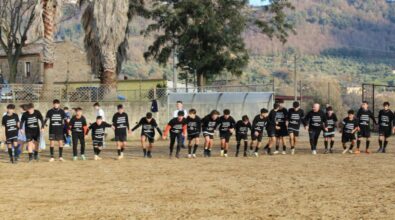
(31, 121)
(242, 128)
(225, 124)
(98, 131)
(176, 126)
(148, 128)
(78, 125)
(349, 125)
(331, 122)
(281, 117)
(10, 122)
(386, 118)
(272, 120)
(194, 125)
(209, 124)
(295, 118)
(121, 123)
(258, 124)
(364, 117)
(315, 120)
(56, 119)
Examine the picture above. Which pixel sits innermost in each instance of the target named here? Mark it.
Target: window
(27, 69)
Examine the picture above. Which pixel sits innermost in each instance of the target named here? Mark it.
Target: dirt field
(269, 187)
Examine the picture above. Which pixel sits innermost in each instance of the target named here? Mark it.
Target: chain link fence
(23, 93)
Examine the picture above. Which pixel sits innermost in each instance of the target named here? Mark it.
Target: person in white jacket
(180, 107)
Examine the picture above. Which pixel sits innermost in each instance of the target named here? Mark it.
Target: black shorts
(193, 136)
(121, 138)
(282, 132)
(271, 132)
(347, 137)
(207, 134)
(293, 131)
(97, 143)
(56, 137)
(364, 132)
(150, 138)
(225, 136)
(240, 137)
(385, 131)
(11, 140)
(329, 134)
(257, 138)
(32, 136)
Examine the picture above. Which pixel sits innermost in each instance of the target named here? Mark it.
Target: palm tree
(51, 11)
(106, 26)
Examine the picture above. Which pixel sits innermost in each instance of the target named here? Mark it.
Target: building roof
(30, 49)
(37, 48)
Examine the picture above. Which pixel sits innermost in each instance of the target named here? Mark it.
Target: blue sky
(258, 2)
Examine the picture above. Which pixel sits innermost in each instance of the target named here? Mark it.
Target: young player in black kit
(56, 117)
(257, 129)
(98, 130)
(177, 128)
(194, 127)
(386, 120)
(331, 124)
(272, 127)
(282, 132)
(10, 122)
(242, 127)
(295, 118)
(315, 122)
(148, 124)
(364, 116)
(348, 129)
(34, 124)
(78, 128)
(226, 125)
(209, 124)
(120, 122)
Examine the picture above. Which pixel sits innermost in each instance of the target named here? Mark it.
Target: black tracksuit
(316, 122)
(78, 128)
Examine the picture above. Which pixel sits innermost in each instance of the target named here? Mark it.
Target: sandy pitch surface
(269, 187)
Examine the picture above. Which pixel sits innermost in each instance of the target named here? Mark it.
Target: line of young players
(32, 124)
(354, 128)
(278, 124)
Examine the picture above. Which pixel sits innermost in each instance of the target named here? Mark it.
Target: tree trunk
(48, 84)
(108, 85)
(48, 53)
(201, 81)
(13, 66)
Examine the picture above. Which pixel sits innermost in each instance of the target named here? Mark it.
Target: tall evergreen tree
(207, 34)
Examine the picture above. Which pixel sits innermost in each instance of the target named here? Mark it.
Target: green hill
(348, 40)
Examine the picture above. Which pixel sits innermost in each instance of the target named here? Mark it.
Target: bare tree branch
(16, 19)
